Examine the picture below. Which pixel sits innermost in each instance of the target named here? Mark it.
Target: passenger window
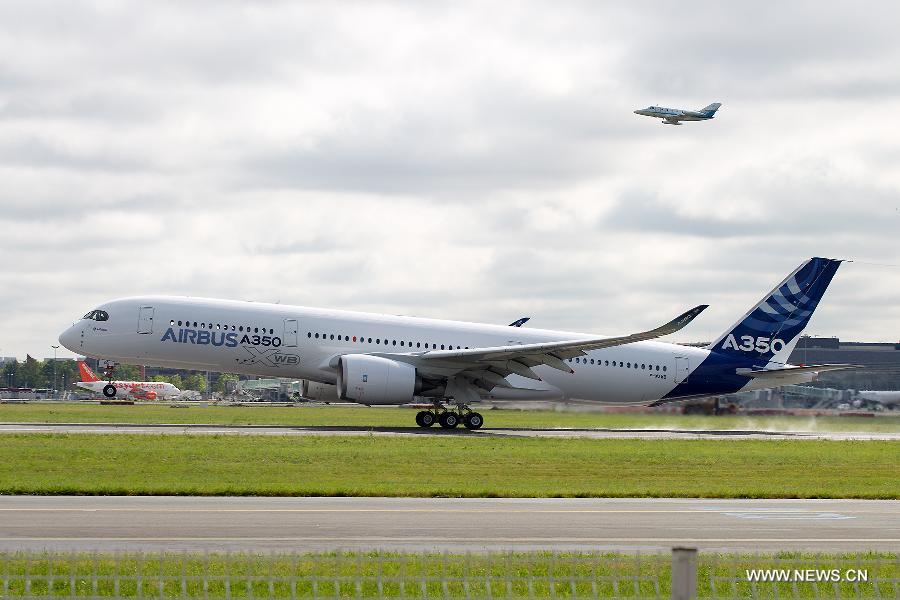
(241, 328)
(629, 365)
(418, 344)
(309, 334)
(332, 336)
(317, 336)
(172, 323)
(664, 368)
(592, 361)
(643, 366)
(401, 342)
(179, 323)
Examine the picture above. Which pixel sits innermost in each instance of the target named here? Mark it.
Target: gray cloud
(470, 161)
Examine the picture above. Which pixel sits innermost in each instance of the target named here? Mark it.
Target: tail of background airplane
(768, 333)
(86, 373)
(710, 110)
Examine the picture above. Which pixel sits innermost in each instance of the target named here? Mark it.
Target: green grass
(392, 575)
(398, 417)
(453, 466)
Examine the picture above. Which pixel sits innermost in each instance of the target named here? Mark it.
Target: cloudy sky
(475, 161)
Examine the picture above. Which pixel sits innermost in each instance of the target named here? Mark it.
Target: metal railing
(683, 574)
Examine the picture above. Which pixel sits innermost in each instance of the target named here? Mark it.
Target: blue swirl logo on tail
(771, 329)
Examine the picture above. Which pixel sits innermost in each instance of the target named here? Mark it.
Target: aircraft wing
(788, 371)
(519, 359)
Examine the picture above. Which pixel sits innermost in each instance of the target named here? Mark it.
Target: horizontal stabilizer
(788, 371)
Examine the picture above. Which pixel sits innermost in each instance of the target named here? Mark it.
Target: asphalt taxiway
(590, 433)
(442, 524)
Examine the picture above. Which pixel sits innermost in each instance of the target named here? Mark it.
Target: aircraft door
(682, 369)
(290, 333)
(145, 319)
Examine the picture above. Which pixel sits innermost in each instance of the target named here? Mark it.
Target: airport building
(879, 362)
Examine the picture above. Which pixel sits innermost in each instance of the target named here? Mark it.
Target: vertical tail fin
(770, 330)
(86, 373)
(711, 109)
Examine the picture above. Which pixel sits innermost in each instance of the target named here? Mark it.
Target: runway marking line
(698, 511)
(454, 540)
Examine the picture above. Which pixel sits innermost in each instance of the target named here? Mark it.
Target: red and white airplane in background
(137, 390)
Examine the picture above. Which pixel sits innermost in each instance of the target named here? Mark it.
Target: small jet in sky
(674, 116)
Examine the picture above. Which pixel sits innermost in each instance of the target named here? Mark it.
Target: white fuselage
(673, 115)
(273, 340)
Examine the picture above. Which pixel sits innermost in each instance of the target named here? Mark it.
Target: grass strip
(394, 575)
(445, 466)
(141, 414)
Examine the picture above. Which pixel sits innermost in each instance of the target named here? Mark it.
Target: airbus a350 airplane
(383, 359)
(674, 116)
(139, 390)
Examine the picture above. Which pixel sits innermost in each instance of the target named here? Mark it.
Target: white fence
(683, 574)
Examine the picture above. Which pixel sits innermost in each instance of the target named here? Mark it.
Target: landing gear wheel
(109, 390)
(473, 420)
(425, 418)
(449, 420)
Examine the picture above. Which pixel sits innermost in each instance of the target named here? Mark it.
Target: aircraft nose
(69, 339)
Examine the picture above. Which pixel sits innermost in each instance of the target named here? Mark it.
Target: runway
(599, 433)
(441, 524)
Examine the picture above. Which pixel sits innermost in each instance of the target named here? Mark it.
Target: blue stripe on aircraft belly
(715, 375)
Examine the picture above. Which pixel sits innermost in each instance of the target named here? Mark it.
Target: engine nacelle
(324, 392)
(375, 380)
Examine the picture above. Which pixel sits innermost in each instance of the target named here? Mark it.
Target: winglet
(678, 322)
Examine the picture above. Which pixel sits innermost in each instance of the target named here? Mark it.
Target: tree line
(62, 374)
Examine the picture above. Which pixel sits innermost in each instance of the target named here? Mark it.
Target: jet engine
(313, 390)
(375, 380)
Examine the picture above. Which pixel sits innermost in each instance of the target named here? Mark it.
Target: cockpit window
(97, 315)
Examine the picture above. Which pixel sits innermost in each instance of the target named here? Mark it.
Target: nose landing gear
(109, 370)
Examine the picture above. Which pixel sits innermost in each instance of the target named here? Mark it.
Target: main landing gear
(449, 419)
(109, 390)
